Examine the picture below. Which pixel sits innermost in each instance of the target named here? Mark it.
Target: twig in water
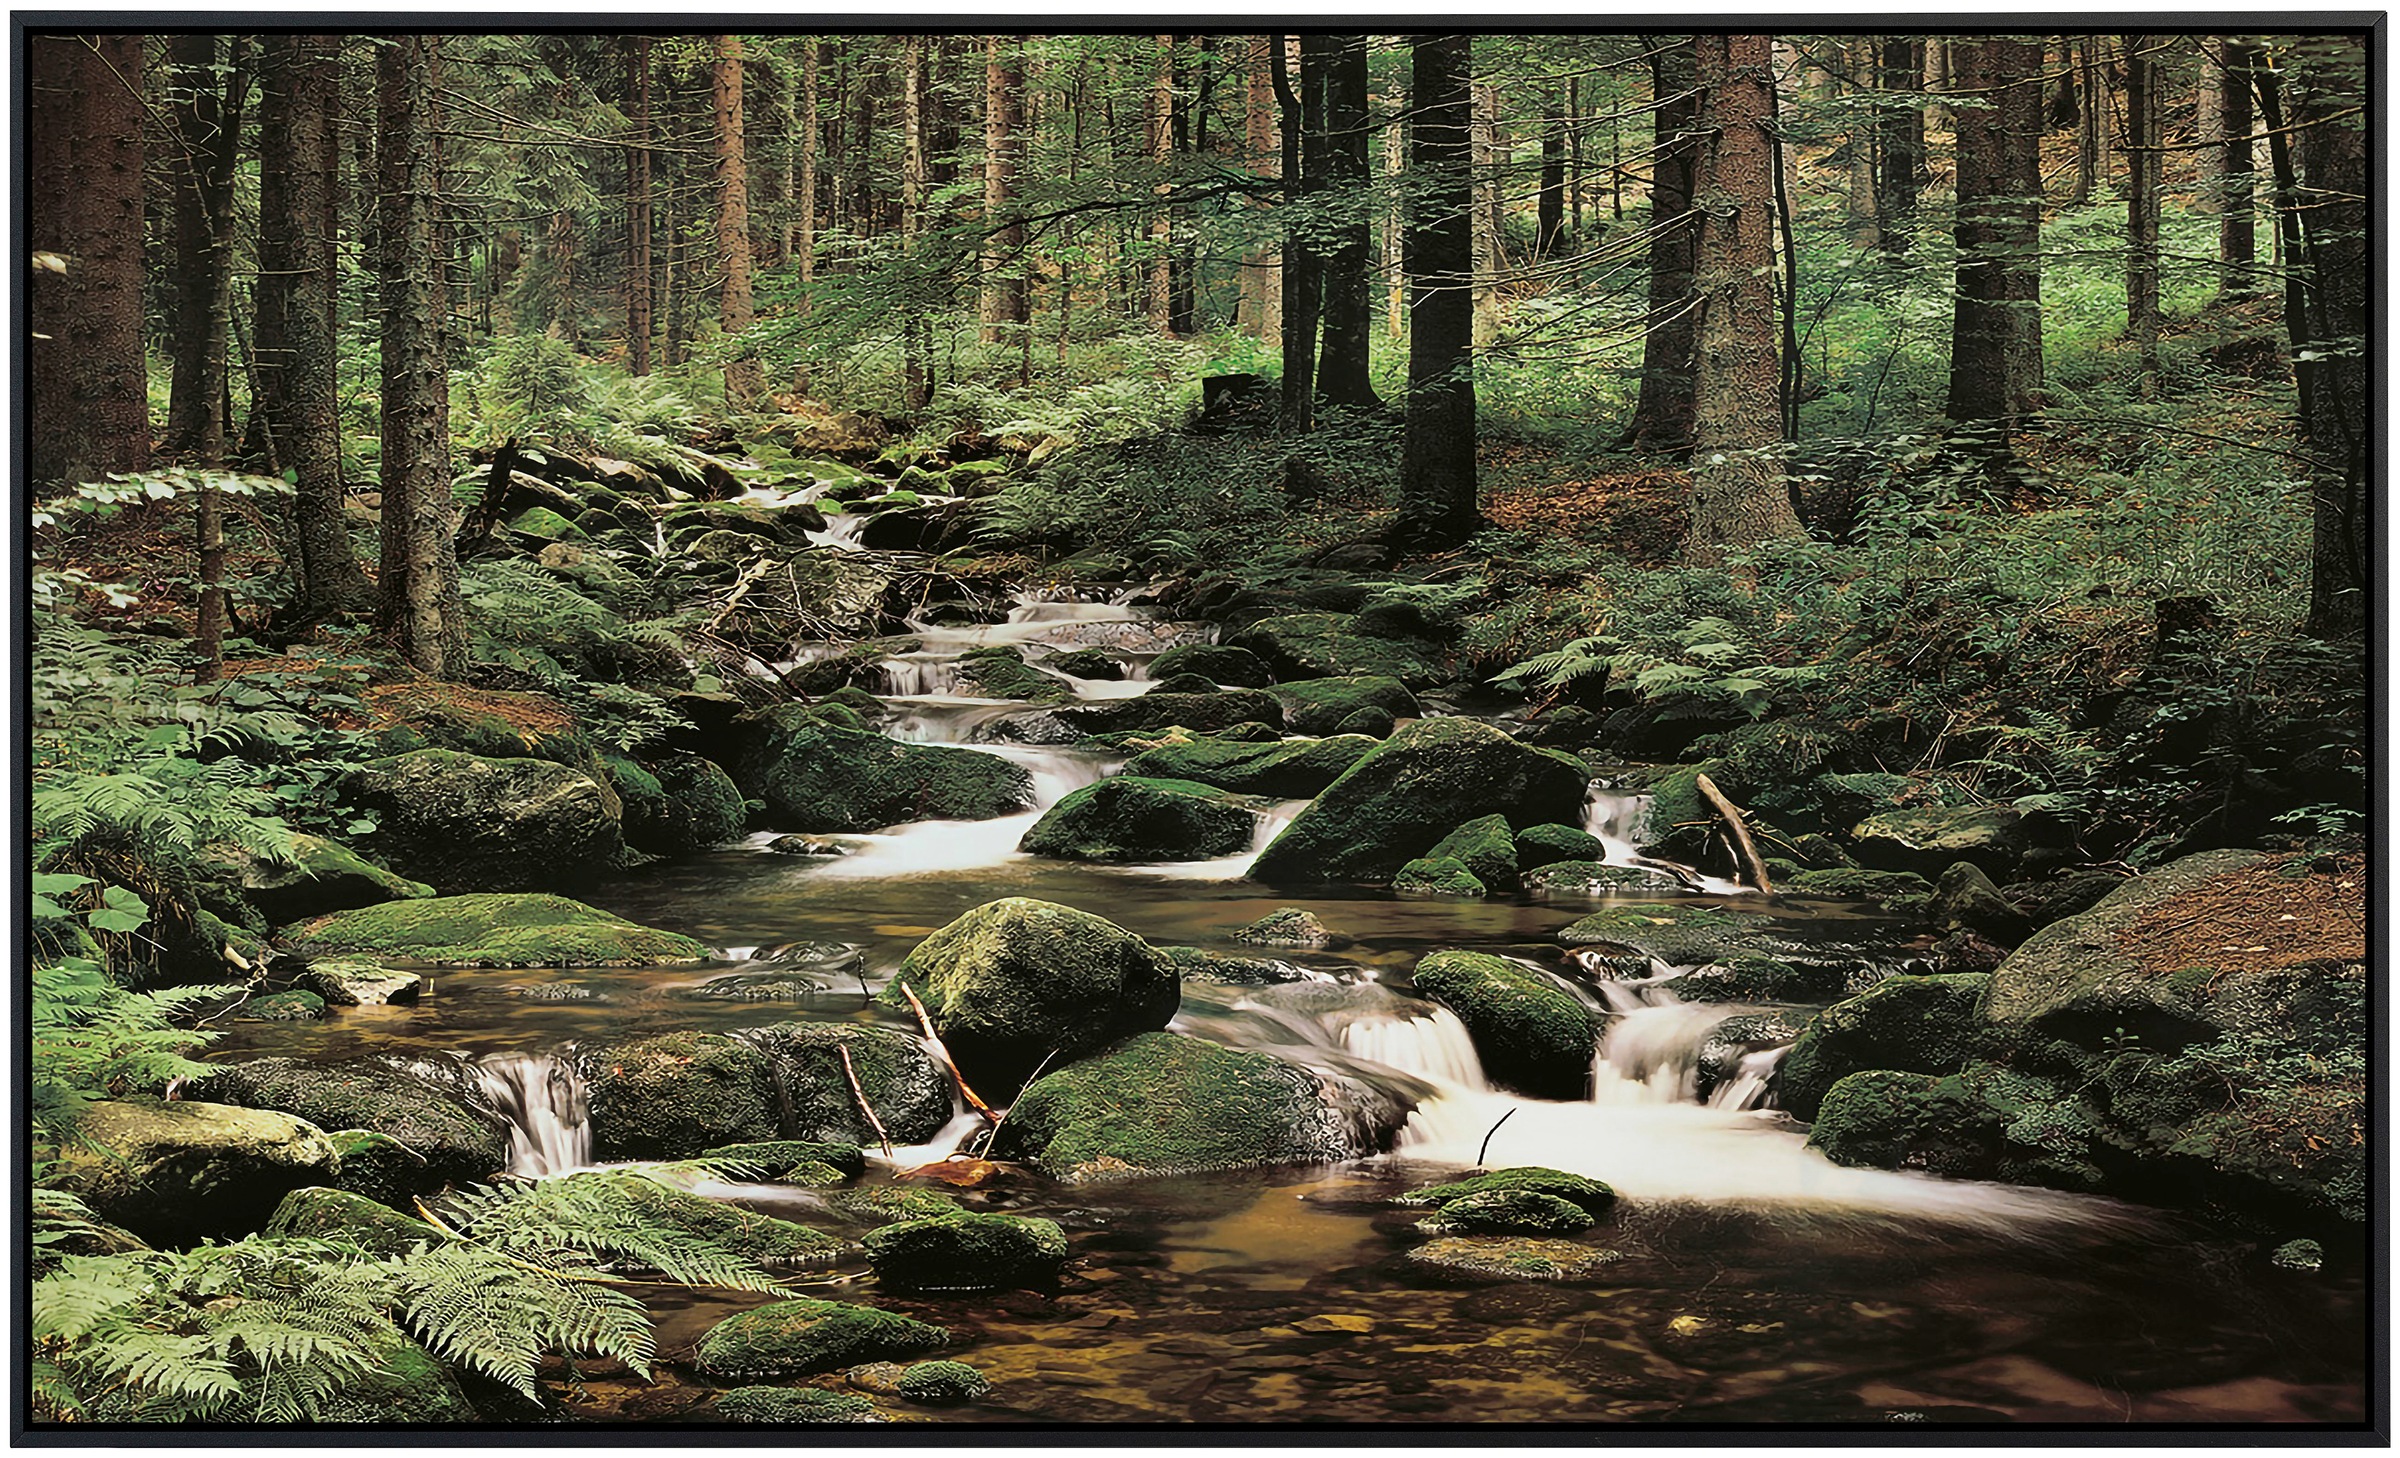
(1485, 1147)
(925, 1021)
(851, 1073)
(992, 1135)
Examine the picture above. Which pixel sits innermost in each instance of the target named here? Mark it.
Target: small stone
(2298, 1255)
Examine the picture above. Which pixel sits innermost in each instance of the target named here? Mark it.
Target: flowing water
(1744, 1278)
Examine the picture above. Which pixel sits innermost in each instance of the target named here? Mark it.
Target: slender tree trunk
(1342, 374)
(1485, 143)
(744, 379)
(1438, 506)
(207, 120)
(1158, 277)
(804, 230)
(2087, 118)
(417, 523)
(1902, 147)
(1738, 494)
(638, 219)
(2237, 233)
(2141, 203)
(1261, 289)
(1662, 416)
(1858, 60)
(1302, 275)
(1003, 295)
(1395, 166)
(1996, 326)
(915, 388)
(2208, 127)
(1550, 200)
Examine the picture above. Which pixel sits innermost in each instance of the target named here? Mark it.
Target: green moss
(1437, 876)
(793, 1338)
(819, 776)
(1590, 1196)
(1680, 936)
(908, 1091)
(943, 1384)
(1195, 964)
(966, 1252)
(1002, 673)
(761, 1239)
(467, 822)
(1929, 838)
(1511, 1257)
(1136, 818)
(455, 1142)
(1331, 645)
(1507, 1212)
(1319, 705)
(1163, 1103)
(1089, 663)
(1284, 769)
(1591, 878)
(889, 1204)
(542, 522)
(1203, 712)
(331, 1214)
(1486, 847)
(1232, 667)
(672, 1096)
(401, 1382)
(1749, 977)
(1915, 1024)
(283, 1007)
(1291, 926)
(496, 930)
(1545, 845)
(1889, 1119)
(381, 1168)
(1898, 891)
(786, 1405)
(1531, 1033)
(777, 1157)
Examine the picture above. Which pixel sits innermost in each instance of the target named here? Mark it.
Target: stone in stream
(1512, 1257)
(1914, 1024)
(1965, 900)
(777, 1158)
(359, 984)
(1293, 927)
(1485, 847)
(1164, 1103)
(676, 1094)
(762, 1240)
(1200, 712)
(456, 1141)
(180, 1171)
(807, 845)
(1183, 683)
(1749, 977)
(1370, 721)
(966, 1252)
(816, 776)
(1088, 663)
(332, 1214)
(1411, 790)
(1132, 818)
(795, 1338)
(1230, 667)
(676, 804)
(281, 1007)
(1591, 1197)
(890, 1204)
(1195, 964)
(1590, 878)
(464, 822)
(942, 1384)
(1320, 705)
(1001, 673)
(1016, 981)
(498, 930)
(1739, 1036)
(1438, 876)
(1287, 769)
(1332, 645)
(1531, 1034)
(909, 1092)
(1507, 1212)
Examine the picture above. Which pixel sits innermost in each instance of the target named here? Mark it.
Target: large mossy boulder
(1439, 876)
(1531, 1034)
(966, 1252)
(1016, 981)
(677, 1094)
(461, 822)
(1287, 769)
(1002, 673)
(1164, 1103)
(1231, 667)
(1485, 846)
(318, 877)
(1913, 1024)
(454, 1141)
(1411, 790)
(1548, 845)
(522, 930)
(1320, 705)
(795, 1338)
(1137, 818)
(1332, 645)
(1927, 838)
(329, 1214)
(909, 1092)
(818, 775)
(677, 804)
(181, 1171)
(1895, 1119)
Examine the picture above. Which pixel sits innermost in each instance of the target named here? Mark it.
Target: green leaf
(52, 883)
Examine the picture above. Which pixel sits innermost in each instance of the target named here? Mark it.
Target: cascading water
(1613, 817)
(542, 1098)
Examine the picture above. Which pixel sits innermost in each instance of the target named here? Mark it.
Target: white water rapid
(542, 1098)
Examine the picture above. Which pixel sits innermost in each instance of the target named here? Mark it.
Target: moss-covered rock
(967, 1252)
(909, 1092)
(1511, 1257)
(379, 1168)
(1902, 892)
(1409, 791)
(282, 1007)
(1016, 981)
(677, 1094)
(783, 1406)
(1137, 818)
(891, 1204)
(1438, 876)
(1485, 846)
(1548, 845)
(1001, 673)
(1163, 1103)
(1369, 722)
(794, 1338)
(1926, 839)
(1231, 667)
(1914, 1024)
(177, 1172)
(332, 1214)
(1292, 769)
(1183, 683)
(819, 776)
(760, 1239)
(677, 804)
(1965, 900)
(776, 1158)
(1197, 964)
(461, 822)
(546, 525)
(1088, 663)
(943, 1384)
(523, 930)
(1594, 1198)
(1293, 927)
(1531, 1033)
(359, 984)
(1507, 1212)
(1750, 977)
(457, 1142)
(1320, 705)
(401, 1383)
(1201, 712)
(1892, 1119)
(1591, 878)
(1332, 645)
(319, 876)
(1679, 936)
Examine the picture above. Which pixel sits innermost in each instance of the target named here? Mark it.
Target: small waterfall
(842, 531)
(1271, 822)
(1747, 1089)
(925, 846)
(1614, 818)
(1435, 1047)
(542, 1098)
(917, 675)
(1651, 1055)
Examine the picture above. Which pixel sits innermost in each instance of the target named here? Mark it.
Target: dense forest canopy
(1828, 426)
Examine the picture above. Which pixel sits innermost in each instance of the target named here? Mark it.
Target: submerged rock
(1531, 1034)
(176, 1172)
(1292, 927)
(521, 930)
(462, 822)
(943, 1384)
(1195, 964)
(1593, 1197)
(966, 1252)
(819, 776)
(1512, 1258)
(1135, 818)
(1292, 769)
(779, 1406)
(794, 1338)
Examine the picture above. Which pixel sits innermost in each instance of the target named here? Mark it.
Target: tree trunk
(1342, 371)
(1858, 60)
(916, 391)
(1902, 149)
(417, 520)
(2237, 233)
(1158, 277)
(1484, 143)
(744, 379)
(1550, 200)
(1662, 416)
(1003, 304)
(208, 122)
(1260, 284)
(1438, 506)
(1395, 220)
(2141, 204)
(804, 230)
(638, 215)
(1738, 493)
(1996, 323)
(89, 411)
(2087, 118)
(1302, 278)
(2208, 128)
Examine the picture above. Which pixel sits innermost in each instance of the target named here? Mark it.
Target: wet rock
(674, 1095)
(794, 1338)
(677, 804)
(379, 1168)
(1438, 876)
(457, 1141)
(1183, 683)
(176, 1172)
(1507, 1212)
(1136, 818)
(1739, 1036)
(891, 1204)
(909, 1092)
(1291, 927)
(1965, 900)
(779, 1406)
(1002, 673)
(1591, 878)
(1285, 769)
(282, 1007)
(492, 931)
(1891, 1119)
(1320, 705)
(1371, 722)
(807, 845)
(1332, 645)
(1230, 667)
(759, 1239)
(1679, 936)
(942, 1384)
(777, 986)
(1748, 977)
(332, 1214)
(1409, 791)
(1530, 1032)
(1016, 981)
(401, 1383)
(1486, 847)
(817, 776)
(359, 984)
(966, 1252)
(1914, 1024)
(777, 1158)
(1163, 1103)
(2043, 902)
(1088, 663)
(1196, 965)
(1929, 838)
(1551, 844)
(320, 876)
(1201, 712)
(2298, 1255)
(1964, 951)
(1591, 1197)
(1903, 893)
(463, 822)
(1512, 1257)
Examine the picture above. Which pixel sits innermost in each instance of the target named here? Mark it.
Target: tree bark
(1003, 302)
(804, 187)
(2087, 118)
(1996, 323)
(1662, 415)
(1262, 266)
(2141, 204)
(2208, 127)
(89, 411)
(1858, 60)
(745, 381)
(2237, 230)
(1738, 493)
(1438, 507)
(1550, 199)
(1902, 150)
(208, 120)
(1158, 277)
(1484, 143)
(1342, 371)
(638, 206)
(1302, 278)
(916, 389)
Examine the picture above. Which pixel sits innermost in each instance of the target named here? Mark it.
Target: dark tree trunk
(89, 412)
(745, 381)
(2141, 203)
(208, 123)
(1738, 494)
(638, 320)
(1342, 373)
(1996, 325)
(1662, 416)
(2237, 229)
(1902, 153)
(1550, 201)
(1438, 507)
(1003, 300)
(1302, 275)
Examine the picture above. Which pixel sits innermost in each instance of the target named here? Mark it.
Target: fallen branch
(991, 1136)
(1754, 870)
(925, 1021)
(757, 569)
(868, 1109)
(1486, 1146)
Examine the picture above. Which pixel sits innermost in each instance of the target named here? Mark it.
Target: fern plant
(89, 1039)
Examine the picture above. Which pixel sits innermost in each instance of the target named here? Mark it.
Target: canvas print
(1567, 732)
